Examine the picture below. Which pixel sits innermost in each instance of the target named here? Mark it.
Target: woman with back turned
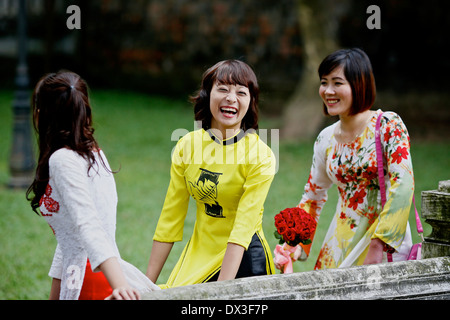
(75, 191)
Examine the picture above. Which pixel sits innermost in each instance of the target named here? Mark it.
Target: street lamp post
(21, 159)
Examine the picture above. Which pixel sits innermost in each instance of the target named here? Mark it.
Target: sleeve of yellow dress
(393, 218)
(171, 221)
(251, 204)
(316, 189)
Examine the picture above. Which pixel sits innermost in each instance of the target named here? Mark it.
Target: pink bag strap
(379, 151)
(418, 222)
(380, 168)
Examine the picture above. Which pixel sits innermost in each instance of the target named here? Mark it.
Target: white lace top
(80, 207)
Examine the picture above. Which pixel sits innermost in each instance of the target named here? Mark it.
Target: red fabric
(95, 286)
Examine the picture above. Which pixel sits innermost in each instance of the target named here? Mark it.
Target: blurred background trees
(163, 46)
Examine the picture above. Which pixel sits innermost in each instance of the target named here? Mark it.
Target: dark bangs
(236, 74)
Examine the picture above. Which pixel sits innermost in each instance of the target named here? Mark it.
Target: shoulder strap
(418, 222)
(379, 151)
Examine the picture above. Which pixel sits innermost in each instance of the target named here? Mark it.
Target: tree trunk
(303, 116)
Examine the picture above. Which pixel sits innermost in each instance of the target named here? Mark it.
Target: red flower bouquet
(294, 226)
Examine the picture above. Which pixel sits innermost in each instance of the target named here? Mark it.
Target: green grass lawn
(135, 132)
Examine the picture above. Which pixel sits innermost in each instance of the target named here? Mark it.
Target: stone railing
(436, 212)
(421, 279)
(428, 278)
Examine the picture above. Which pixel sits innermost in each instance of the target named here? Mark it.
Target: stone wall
(436, 212)
(421, 279)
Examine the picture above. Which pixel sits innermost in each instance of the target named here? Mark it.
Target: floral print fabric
(359, 216)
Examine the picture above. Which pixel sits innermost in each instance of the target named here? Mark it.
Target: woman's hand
(124, 293)
(375, 253)
(121, 289)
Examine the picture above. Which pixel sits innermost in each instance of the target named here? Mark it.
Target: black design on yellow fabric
(205, 190)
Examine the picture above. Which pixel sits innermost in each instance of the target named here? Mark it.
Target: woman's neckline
(337, 130)
(228, 141)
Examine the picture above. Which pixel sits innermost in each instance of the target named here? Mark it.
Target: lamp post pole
(21, 159)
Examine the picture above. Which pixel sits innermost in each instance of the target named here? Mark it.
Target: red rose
(282, 227)
(286, 214)
(289, 235)
(290, 223)
(278, 218)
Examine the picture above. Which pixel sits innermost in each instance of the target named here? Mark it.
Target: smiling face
(228, 104)
(233, 80)
(336, 92)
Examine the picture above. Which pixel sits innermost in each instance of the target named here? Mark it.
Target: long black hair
(62, 118)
